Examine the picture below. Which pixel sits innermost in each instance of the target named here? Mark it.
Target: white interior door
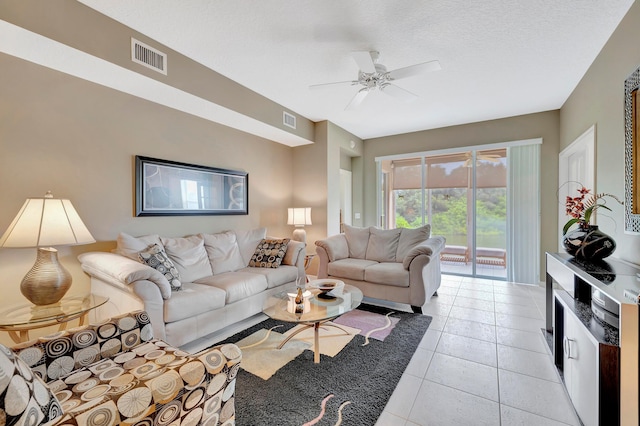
(577, 164)
(345, 196)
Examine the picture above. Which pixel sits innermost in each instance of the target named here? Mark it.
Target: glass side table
(20, 319)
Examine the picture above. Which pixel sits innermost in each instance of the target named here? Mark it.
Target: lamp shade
(47, 221)
(299, 216)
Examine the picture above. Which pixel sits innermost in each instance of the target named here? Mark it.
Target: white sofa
(218, 287)
(398, 265)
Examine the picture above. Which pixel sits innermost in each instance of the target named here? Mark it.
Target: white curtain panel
(523, 214)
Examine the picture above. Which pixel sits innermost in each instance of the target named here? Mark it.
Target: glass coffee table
(318, 308)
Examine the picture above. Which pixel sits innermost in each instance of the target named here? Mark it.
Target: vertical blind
(523, 214)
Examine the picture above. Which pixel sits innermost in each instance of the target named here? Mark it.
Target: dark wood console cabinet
(599, 362)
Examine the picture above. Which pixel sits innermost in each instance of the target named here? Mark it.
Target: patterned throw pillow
(155, 257)
(269, 253)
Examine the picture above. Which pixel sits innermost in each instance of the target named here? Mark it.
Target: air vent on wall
(288, 120)
(148, 56)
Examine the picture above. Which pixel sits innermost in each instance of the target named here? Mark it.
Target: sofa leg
(416, 309)
(435, 293)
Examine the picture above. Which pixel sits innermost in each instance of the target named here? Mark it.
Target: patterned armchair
(116, 373)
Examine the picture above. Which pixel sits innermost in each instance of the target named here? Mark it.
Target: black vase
(589, 243)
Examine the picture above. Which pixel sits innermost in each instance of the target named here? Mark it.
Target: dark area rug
(353, 386)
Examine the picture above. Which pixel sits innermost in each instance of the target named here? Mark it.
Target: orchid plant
(582, 207)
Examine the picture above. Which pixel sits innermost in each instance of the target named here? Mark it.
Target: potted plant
(587, 241)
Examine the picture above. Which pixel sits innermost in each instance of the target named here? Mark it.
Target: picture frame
(170, 188)
(632, 153)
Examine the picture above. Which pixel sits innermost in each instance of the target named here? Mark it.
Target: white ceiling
(499, 58)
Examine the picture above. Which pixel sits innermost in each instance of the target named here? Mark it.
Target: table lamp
(299, 216)
(41, 223)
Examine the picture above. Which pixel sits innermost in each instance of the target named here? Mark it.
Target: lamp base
(299, 234)
(47, 281)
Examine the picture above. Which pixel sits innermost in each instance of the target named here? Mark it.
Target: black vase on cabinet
(589, 243)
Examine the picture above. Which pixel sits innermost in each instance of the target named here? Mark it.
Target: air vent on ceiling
(288, 120)
(148, 56)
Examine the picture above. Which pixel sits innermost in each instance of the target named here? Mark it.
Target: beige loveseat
(218, 287)
(398, 265)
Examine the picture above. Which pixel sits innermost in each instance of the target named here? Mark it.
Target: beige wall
(543, 125)
(78, 139)
(599, 100)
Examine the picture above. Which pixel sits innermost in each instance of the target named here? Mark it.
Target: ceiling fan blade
(320, 86)
(357, 99)
(398, 92)
(416, 69)
(364, 61)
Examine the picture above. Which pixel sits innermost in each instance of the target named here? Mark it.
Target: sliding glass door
(462, 195)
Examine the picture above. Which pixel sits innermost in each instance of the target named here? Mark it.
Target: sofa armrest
(430, 247)
(292, 256)
(118, 270)
(335, 246)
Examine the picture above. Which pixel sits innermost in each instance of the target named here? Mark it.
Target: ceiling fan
(494, 158)
(374, 76)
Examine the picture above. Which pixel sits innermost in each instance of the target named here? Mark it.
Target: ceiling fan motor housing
(376, 79)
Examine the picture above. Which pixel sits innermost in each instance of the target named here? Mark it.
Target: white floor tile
(536, 396)
(519, 323)
(474, 329)
(513, 299)
(446, 299)
(430, 339)
(527, 362)
(442, 405)
(388, 419)
(530, 311)
(476, 294)
(419, 363)
(470, 314)
(513, 417)
(404, 395)
(467, 302)
(435, 308)
(448, 290)
(477, 379)
(481, 286)
(532, 341)
(515, 290)
(437, 322)
(469, 349)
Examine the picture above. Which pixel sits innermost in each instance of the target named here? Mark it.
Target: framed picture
(632, 153)
(169, 188)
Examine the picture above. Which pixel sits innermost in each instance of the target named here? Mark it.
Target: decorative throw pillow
(269, 253)
(409, 238)
(383, 244)
(155, 257)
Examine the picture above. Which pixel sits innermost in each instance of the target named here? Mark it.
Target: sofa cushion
(276, 277)
(248, 241)
(25, 398)
(357, 240)
(130, 246)
(190, 257)
(269, 253)
(194, 299)
(349, 268)
(238, 285)
(409, 238)
(388, 273)
(383, 244)
(156, 258)
(223, 251)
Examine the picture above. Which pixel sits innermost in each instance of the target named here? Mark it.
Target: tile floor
(483, 361)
